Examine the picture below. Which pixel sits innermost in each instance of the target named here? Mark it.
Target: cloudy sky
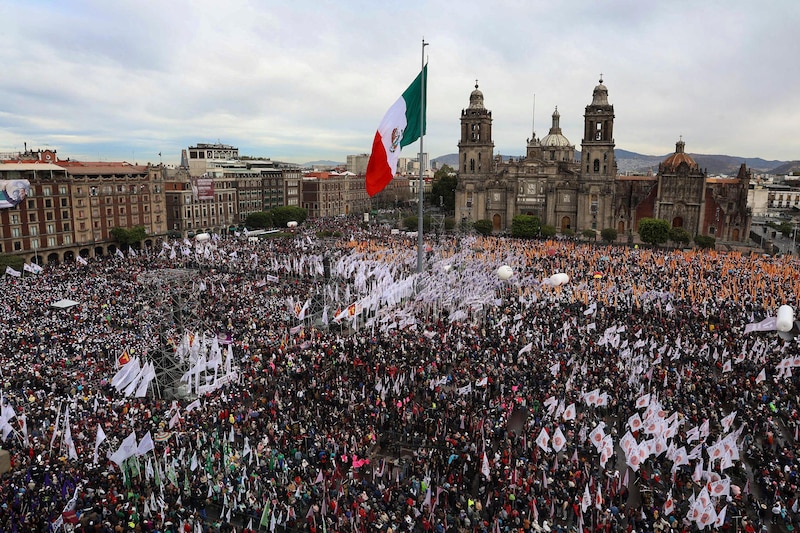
(303, 80)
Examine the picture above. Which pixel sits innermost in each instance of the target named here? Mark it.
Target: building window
(32, 217)
(51, 241)
(62, 190)
(33, 230)
(66, 226)
(63, 202)
(597, 165)
(31, 204)
(67, 239)
(46, 191)
(51, 228)
(15, 232)
(17, 246)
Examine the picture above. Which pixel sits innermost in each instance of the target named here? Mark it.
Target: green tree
(525, 226)
(287, 213)
(548, 231)
(14, 261)
(589, 234)
(444, 187)
(411, 223)
(609, 234)
(259, 220)
(653, 231)
(484, 227)
(705, 241)
(679, 236)
(129, 237)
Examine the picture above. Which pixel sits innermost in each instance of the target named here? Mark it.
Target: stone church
(589, 194)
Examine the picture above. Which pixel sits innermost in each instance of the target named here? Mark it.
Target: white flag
(11, 272)
(101, 436)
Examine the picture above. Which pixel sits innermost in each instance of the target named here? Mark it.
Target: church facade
(571, 194)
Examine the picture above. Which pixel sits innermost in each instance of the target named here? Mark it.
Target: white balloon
(291, 224)
(504, 272)
(555, 280)
(785, 321)
(563, 277)
(202, 237)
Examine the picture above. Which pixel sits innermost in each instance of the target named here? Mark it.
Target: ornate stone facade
(589, 194)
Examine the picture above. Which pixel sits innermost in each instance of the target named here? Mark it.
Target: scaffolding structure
(171, 298)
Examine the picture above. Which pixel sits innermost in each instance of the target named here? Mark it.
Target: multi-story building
(204, 156)
(193, 209)
(589, 194)
(40, 227)
(105, 196)
(325, 194)
(357, 164)
(74, 205)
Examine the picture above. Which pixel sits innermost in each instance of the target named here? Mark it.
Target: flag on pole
(402, 124)
(11, 272)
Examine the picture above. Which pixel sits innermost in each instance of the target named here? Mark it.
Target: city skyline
(127, 80)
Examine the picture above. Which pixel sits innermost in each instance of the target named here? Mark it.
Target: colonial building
(576, 195)
(73, 206)
(326, 194)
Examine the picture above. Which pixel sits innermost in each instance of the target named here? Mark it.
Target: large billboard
(203, 188)
(12, 192)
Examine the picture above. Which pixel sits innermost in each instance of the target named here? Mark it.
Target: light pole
(35, 244)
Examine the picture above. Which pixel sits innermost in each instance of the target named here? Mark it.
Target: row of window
(36, 244)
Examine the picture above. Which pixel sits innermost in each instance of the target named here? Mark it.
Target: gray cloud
(311, 80)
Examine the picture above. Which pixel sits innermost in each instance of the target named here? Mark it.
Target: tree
(484, 227)
(609, 234)
(287, 213)
(589, 234)
(128, 236)
(411, 223)
(14, 261)
(705, 241)
(444, 187)
(653, 231)
(679, 236)
(548, 231)
(260, 220)
(525, 226)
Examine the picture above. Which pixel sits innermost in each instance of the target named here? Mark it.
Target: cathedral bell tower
(598, 164)
(475, 164)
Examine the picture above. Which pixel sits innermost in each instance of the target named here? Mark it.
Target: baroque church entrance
(565, 224)
(496, 223)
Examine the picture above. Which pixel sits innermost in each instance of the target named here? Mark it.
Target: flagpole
(420, 240)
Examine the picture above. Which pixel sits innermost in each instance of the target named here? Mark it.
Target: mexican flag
(401, 126)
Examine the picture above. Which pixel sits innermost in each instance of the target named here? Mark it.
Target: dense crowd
(369, 397)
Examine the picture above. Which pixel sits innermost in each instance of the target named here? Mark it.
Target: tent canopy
(65, 303)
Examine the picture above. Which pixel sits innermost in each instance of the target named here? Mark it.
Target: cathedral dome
(476, 98)
(672, 162)
(555, 138)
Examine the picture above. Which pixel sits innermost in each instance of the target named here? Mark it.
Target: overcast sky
(303, 80)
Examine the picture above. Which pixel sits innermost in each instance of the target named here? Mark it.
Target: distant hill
(787, 168)
(633, 162)
(323, 163)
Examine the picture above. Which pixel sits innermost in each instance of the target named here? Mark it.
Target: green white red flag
(403, 124)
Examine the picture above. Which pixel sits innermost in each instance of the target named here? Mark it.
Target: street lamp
(35, 244)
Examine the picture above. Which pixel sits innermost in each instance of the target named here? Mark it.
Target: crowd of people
(369, 397)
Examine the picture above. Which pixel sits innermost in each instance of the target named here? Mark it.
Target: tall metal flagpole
(420, 240)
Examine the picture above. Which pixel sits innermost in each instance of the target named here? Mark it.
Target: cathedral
(577, 195)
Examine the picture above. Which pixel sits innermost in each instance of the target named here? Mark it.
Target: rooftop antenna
(533, 118)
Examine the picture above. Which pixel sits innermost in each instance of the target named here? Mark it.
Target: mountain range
(631, 162)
